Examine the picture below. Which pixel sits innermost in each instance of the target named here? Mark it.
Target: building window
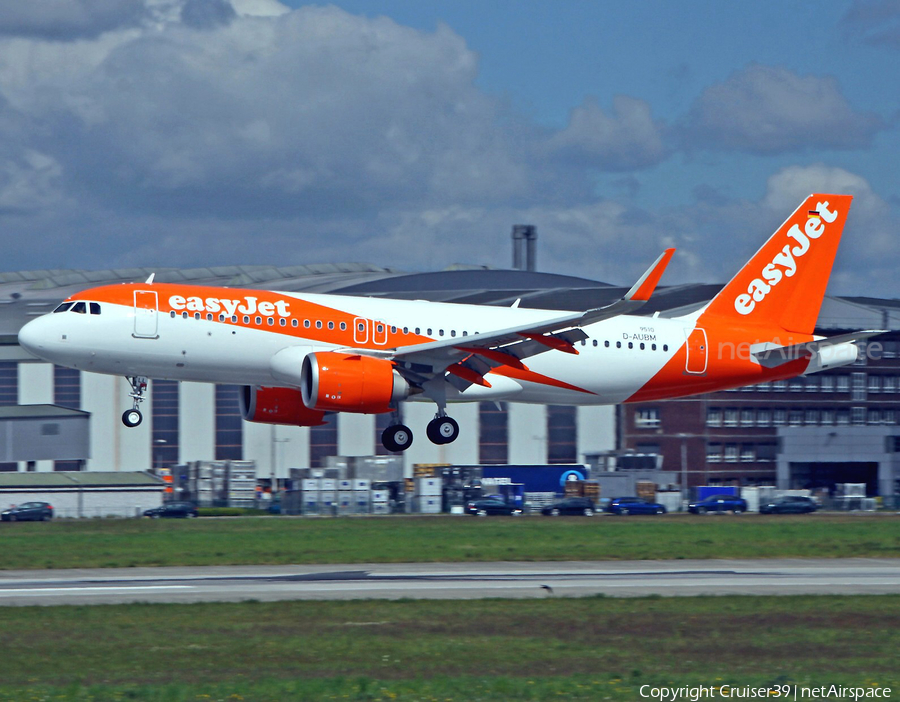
(714, 453)
(827, 417)
(827, 383)
(9, 383)
(323, 441)
(858, 416)
(843, 417)
(859, 387)
(229, 425)
(779, 417)
(714, 417)
(796, 385)
(874, 383)
(812, 384)
(843, 383)
(779, 385)
(873, 416)
(731, 418)
(748, 453)
(747, 418)
(766, 453)
(795, 417)
(812, 417)
(493, 433)
(889, 384)
(67, 387)
(562, 434)
(731, 453)
(890, 349)
(646, 418)
(764, 387)
(165, 423)
(888, 416)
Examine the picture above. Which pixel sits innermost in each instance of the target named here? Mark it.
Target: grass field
(274, 540)
(575, 649)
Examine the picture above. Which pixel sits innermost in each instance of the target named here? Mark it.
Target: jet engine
(278, 406)
(342, 382)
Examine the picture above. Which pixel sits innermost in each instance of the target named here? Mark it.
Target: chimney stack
(524, 238)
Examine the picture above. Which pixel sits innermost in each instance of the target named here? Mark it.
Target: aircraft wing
(771, 355)
(469, 358)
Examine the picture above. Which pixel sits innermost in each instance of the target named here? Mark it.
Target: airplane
(300, 357)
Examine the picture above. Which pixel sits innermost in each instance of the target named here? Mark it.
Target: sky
(414, 134)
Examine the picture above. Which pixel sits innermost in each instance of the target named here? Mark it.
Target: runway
(452, 581)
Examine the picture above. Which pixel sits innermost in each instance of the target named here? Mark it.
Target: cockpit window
(95, 308)
(80, 308)
(64, 307)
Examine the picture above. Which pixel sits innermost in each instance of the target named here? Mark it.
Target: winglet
(643, 289)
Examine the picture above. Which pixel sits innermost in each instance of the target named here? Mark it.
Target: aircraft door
(146, 315)
(697, 351)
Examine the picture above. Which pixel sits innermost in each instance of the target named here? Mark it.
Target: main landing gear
(399, 437)
(133, 417)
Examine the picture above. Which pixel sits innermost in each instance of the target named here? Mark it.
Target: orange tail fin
(782, 286)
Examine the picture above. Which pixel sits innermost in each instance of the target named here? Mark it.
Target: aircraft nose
(35, 336)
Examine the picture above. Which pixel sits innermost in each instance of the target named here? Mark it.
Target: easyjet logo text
(784, 263)
(246, 305)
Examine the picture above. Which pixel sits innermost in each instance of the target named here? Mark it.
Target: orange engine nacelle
(278, 406)
(342, 382)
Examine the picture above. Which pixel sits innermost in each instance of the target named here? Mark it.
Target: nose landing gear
(133, 417)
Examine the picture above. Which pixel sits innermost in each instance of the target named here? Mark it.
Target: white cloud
(627, 139)
(770, 110)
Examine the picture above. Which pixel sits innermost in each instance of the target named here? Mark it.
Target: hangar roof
(80, 479)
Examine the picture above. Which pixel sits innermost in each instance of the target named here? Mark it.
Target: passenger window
(642, 346)
(172, 314)
(418, 330)
(295, 323)
(64, 307)
(318, 324)
(618, 344)
(196, 315)
(630, 345)
(80, 308)
(184, 316)
(95, 308)
(270, 321)
(653, 347)
(606, 343)
(259, 320)
(282, 322)
(665, 347)
(306, 323)
(246, 319)
(209, 316)
(595, 342)
(343, 326)
(331, 325)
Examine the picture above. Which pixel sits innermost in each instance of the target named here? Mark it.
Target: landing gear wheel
(442, 430)
(397, 438)
(132, 418)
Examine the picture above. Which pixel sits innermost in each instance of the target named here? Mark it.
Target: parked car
(28, 512)
(719, 503)
(570, 506)
(634, 505)
(492, 504)
(789, 504)
(173, 509)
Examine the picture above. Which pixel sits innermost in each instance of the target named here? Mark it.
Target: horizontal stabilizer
(771, 355)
